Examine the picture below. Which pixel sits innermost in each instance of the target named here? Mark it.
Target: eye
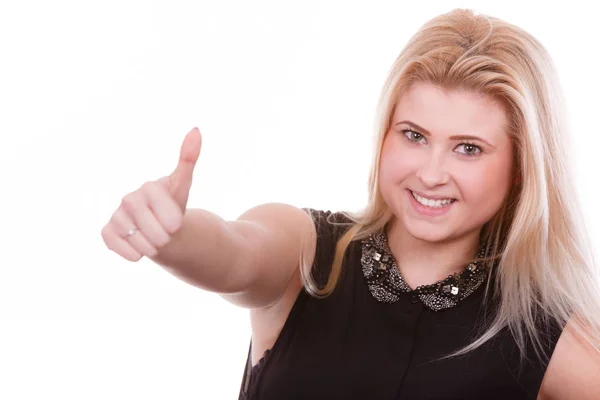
(413, 136)
(469, 149)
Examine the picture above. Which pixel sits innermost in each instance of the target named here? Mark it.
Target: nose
(432, 171)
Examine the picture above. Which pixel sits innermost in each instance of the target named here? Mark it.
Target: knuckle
(127, 201)
(107, 237)
(152, 192)
(147, 186)
(104, 233)
(114, 219)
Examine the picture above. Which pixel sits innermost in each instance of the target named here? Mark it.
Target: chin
(429, 233)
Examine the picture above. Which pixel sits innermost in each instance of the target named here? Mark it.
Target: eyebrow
(455, 137)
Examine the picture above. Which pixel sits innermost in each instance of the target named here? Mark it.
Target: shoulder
(329, 217)
(573, 370)
(329, 225)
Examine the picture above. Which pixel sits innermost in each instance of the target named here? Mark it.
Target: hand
(148, 217)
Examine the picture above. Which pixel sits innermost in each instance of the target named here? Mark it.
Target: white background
(95, 98)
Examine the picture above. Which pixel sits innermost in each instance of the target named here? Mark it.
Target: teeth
(431, 203)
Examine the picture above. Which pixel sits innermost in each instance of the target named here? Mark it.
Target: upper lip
(431, 196)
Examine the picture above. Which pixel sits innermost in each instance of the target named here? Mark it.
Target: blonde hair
(545, 271)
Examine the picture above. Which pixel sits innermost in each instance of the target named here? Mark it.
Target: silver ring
(131, 232)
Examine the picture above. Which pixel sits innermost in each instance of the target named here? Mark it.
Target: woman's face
(446, 162)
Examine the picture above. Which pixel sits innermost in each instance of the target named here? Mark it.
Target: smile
(432, 203)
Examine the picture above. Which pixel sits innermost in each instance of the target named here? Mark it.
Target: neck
(421, 262)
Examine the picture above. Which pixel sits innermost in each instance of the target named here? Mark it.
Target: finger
(181, 178)
(141, 244)
(145, 219)
(164, 207)
(116, 243)
(124, 221)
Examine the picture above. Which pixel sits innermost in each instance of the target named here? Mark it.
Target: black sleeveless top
(351, 346)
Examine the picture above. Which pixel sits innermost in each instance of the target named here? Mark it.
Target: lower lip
(428, 211)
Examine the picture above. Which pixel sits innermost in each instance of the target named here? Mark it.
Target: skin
(573, 371)
(433, 159)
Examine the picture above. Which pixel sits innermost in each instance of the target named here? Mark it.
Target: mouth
(432, 203)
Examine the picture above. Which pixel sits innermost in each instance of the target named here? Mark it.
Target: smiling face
(446, 162)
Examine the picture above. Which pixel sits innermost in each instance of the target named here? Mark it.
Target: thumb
(180, 181)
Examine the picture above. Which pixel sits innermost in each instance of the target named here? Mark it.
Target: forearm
(203, 252)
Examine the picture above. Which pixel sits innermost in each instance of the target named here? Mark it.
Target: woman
(468, 274)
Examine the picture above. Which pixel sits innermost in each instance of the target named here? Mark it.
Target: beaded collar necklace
(386, 283)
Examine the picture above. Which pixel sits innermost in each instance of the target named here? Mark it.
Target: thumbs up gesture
(180, 181)
(148, 217)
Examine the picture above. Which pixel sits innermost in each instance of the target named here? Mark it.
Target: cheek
(488, 185)
(395, 164)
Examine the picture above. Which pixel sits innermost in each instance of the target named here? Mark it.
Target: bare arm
(274, 235)
(249, 261)
(203, 252)
(574, 370)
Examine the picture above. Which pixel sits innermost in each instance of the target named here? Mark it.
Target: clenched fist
(148, 217)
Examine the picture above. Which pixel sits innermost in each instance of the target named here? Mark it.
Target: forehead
(452, 112)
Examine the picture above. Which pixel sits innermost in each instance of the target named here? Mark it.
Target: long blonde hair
(545, 267)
